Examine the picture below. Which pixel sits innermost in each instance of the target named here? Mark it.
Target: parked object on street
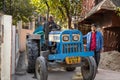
(63, 49)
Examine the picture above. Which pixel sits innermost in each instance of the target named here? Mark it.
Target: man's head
(51, 18)
(93, 27)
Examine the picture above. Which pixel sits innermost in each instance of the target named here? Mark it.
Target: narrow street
(63, 75)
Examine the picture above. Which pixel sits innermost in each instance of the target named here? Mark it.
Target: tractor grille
(71, 48)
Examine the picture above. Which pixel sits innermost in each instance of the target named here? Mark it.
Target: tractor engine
(67, 41)
(54, 40)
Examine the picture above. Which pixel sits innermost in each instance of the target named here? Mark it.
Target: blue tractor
(63, 49)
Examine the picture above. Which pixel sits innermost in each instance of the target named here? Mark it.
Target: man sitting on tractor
(49, 26)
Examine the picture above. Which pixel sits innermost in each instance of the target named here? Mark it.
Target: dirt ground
(110, 61)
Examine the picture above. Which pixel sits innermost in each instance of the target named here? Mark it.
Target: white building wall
(13, 48)
(6, 48)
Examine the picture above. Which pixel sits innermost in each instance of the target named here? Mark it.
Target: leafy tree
(71, 8)
(1, 5)
(118, 11)
(63, 10)
(19, 9)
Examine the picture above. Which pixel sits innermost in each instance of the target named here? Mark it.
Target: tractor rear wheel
(41, 68)
(32, 54)
(70, 69)
(89, 68)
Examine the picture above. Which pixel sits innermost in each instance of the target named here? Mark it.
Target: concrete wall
(20, 42)
(13, 48)
(0, 44)
(22, 35)
(22, 38)
(14, 42)
(6, 48)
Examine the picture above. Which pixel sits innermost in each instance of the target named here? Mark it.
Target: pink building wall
(22, 41)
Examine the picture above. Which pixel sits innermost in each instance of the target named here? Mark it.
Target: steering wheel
(58, 27)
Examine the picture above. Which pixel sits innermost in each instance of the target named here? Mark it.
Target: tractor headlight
(65, 38)
(76, 37)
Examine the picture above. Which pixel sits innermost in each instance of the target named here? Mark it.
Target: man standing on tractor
(94, 42)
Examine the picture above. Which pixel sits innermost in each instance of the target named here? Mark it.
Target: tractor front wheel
(88, 69)
(41, 68)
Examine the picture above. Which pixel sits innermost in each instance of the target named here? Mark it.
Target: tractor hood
(56, 36)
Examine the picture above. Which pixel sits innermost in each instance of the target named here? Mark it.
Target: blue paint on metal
(55, 32)
(40, 28)
(70, 32)
(67, 49)
(63, 56)
(70, 48)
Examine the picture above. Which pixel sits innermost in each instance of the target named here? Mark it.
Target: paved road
(56, 74)
(63, 75)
